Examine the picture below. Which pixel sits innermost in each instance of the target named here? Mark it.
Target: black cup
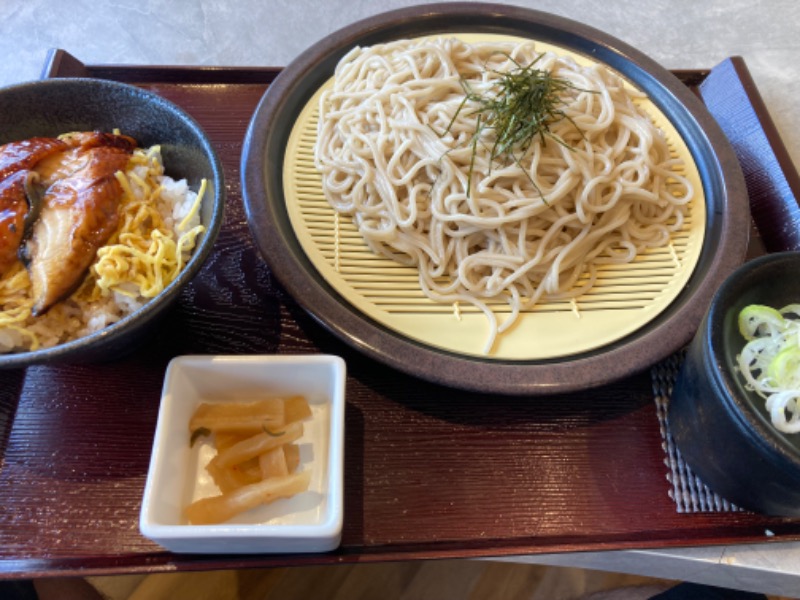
(722, 429)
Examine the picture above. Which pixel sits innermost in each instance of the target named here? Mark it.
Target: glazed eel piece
(79, 213)
(59, 200)
(18, 195)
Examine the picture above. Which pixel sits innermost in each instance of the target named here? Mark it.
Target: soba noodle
(413, 168)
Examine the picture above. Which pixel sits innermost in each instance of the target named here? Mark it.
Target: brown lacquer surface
(430, 472)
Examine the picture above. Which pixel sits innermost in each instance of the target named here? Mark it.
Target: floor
(421, 580)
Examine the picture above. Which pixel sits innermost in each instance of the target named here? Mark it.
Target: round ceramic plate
(634, 317)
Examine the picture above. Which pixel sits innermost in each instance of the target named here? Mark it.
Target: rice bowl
(85, 104)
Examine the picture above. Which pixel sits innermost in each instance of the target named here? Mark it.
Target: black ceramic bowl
(722, 429)
(55, 106)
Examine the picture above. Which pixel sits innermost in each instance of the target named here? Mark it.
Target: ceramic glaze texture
(721, 428)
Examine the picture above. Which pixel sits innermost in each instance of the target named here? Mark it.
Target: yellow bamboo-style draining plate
(624, 298)
(635, 315)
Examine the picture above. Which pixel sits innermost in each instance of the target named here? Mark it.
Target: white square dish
(308, 522)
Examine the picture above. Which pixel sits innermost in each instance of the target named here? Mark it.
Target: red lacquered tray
(430, 472)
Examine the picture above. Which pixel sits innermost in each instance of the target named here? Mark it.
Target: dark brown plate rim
(726, 234)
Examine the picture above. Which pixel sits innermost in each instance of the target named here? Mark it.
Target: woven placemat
(689, 493)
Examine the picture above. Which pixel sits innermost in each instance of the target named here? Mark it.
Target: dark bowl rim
(631, 354)
(754, 423)
(71, 350)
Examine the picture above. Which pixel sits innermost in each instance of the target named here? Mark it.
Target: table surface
(208, 33)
